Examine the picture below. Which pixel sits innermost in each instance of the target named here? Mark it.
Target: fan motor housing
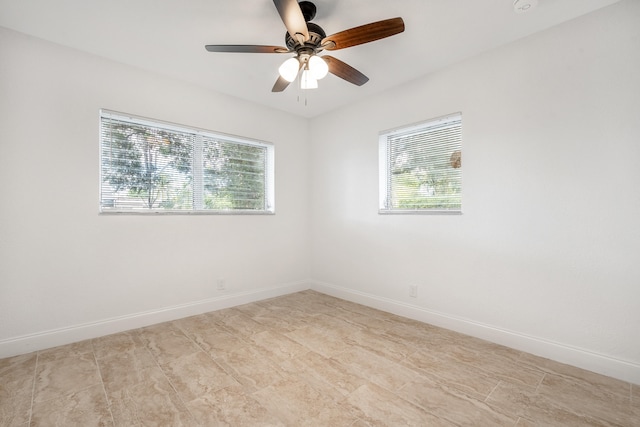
(316, 35)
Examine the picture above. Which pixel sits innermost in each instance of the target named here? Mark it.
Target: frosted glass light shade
(318, 67)
(289, 69)
(307, 81)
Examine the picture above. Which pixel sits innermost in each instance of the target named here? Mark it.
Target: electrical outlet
(222, 284)
(413, 291)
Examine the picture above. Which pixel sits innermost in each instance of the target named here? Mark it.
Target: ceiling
(168, 37)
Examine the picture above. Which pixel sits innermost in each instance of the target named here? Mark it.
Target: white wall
(67, 273)
(546, 256)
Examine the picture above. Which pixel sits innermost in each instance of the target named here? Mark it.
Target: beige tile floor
(304, 359)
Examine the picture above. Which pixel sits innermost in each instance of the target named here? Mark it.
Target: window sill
(154, 212)
(419, 212)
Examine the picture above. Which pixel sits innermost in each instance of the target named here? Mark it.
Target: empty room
(329, 213)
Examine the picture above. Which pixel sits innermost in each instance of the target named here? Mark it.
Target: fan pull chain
(299, 87)
(298, 81)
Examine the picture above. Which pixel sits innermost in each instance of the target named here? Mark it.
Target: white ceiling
(168, 37)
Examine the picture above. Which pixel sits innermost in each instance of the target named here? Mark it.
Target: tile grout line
(186, 334)
(544, 375)
(33, 388)
(104, 388)
(169, 380)
(522, 419)
(491, 392)
(228, 368)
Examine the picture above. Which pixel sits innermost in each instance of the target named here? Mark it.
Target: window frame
(384, 168)
(199, 134)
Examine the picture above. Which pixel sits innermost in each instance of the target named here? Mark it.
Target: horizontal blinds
(152, 167)
(145, 167)
(234, 175)
(423, 166)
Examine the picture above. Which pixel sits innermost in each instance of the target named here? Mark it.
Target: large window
(421, 167)
(154, 167)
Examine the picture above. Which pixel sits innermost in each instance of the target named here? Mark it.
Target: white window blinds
(149, 166)
(420, 167)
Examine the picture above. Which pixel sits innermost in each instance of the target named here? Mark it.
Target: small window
(421, 167)
(154, 167)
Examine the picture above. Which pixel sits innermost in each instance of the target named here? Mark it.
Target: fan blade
(280, 85)
(291, 15)
(364, 34)
(245, 48)
(345, 71)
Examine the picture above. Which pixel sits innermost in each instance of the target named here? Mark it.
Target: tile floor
(304, 359)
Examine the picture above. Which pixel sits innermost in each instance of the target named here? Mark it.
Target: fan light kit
(289, 69)
(306, 40)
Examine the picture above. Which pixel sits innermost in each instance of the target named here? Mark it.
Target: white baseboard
(592, 361)
(55, 337)
(585, 359)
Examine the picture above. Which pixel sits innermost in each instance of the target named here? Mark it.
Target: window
(420, 167)
(154, 167)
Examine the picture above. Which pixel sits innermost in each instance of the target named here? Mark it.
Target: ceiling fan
(306, 40)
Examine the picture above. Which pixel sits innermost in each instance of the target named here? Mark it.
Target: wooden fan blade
(245, 48)
(364, 34)
(291, 15)
(280, 85)
(345, 71)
